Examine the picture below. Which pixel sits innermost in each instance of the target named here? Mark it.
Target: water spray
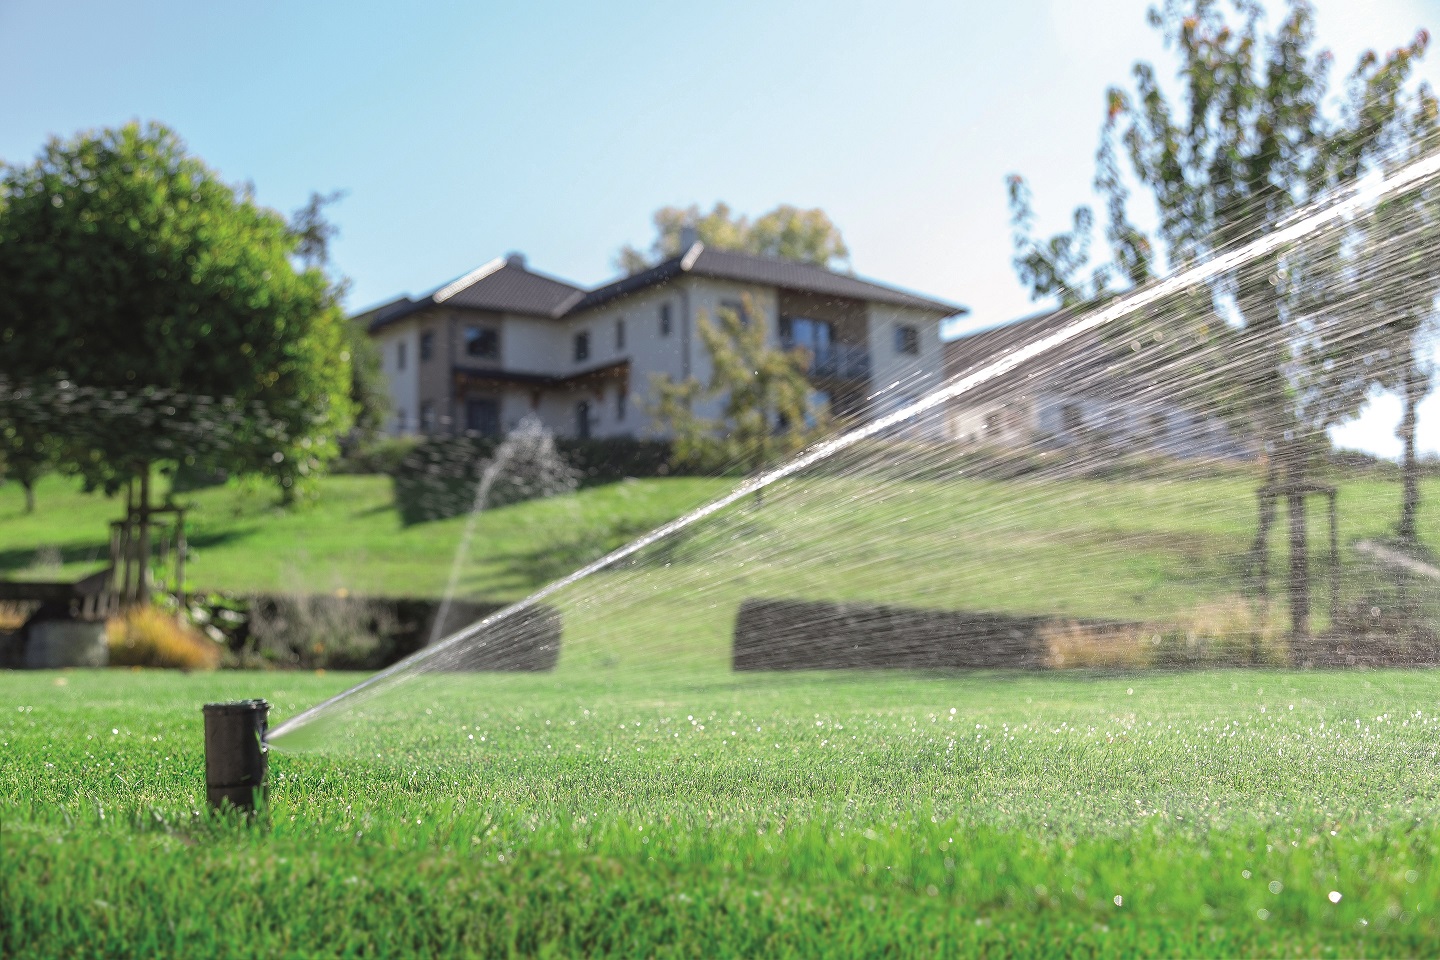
(235, 753)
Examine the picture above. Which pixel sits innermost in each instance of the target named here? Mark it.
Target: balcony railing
(840, 361)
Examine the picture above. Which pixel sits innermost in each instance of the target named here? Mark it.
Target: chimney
(516, 260)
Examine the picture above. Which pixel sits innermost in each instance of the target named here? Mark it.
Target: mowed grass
(661, 813)
(1095, 548)
(349, 537)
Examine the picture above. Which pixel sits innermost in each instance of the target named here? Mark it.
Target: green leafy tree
(766, 410)
(131, 271)
(369, 396)
(1398, 277)
(1248, 142)
(787, 232)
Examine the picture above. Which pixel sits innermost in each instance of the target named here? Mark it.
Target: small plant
(1078, 646)
(150, 637)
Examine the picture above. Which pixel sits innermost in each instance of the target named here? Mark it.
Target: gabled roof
(702, 261)
(505, 285)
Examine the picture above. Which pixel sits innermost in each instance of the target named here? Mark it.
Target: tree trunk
(1413, 389)
(1299, 571)
(29, 488)
(143, 580)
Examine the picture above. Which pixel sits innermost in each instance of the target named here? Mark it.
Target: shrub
(382, 456)
(436, 478)
(149, 637)
(1072, 645)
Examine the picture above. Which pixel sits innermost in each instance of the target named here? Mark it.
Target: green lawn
(349, 537)
(1117, 549)
(654, 813)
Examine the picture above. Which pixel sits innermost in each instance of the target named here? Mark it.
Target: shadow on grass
(19, 559)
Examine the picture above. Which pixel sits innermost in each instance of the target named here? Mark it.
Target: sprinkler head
(235, 761)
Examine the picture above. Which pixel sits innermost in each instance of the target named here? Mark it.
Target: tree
(163, 302)
(766, 411)
(1400, 278)
(369, 395)
(1249, 143)
(786, 232)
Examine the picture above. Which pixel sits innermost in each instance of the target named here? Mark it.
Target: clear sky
(463, 131)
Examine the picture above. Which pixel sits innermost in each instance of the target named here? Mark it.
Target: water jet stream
(1345, 204)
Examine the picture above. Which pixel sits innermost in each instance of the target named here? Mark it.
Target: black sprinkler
(235, 753)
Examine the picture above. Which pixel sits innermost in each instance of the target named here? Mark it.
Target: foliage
(146, 636)
(766, 405)
(786, 232)
(862, 814)
(130, 267)
(1249, 143)
(381, 456)
(313, 232)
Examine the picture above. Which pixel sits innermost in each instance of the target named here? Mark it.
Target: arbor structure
(162, 300)
(1247, 143)
(767, 410)
(787, 232)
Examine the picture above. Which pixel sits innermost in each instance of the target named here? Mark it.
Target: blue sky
(463, 131)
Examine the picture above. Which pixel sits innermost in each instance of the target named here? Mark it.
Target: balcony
(835, 361)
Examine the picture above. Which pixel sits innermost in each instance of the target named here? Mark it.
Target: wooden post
(1262, 545)
(180, 547)
(142, 593)
(1334, 560)
(1299, 569)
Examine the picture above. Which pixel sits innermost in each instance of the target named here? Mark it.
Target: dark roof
(701, 261)
(503, 285)
(507, 286)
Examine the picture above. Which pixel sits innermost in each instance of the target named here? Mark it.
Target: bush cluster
(436, 478)
(149, 637)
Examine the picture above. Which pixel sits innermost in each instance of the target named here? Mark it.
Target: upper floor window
(736, 307)
(664, 319)
(907, 339)
(620, 334)
(400, 355)
(427, 345)
(482, 343)
(582, 346)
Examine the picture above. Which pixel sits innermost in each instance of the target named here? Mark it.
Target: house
(504, 342)
(1082, 392)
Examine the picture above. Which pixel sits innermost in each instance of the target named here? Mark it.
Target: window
(736, 307)
(582, 419)
(427, 346)
(815, 336)
(620, 334)
(482, 416)
(427, 415)
(582, 346)
(400, 355)
(664, 319)
(482, 343)
(620, 403)
(1070, 418)
(401, 422)
(907, 339)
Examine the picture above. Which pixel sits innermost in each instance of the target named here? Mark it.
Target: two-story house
(504, 342)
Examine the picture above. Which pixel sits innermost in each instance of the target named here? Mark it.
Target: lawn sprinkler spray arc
(235, 753)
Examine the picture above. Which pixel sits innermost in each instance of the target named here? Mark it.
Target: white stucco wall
(403, 383)
(899, 378)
